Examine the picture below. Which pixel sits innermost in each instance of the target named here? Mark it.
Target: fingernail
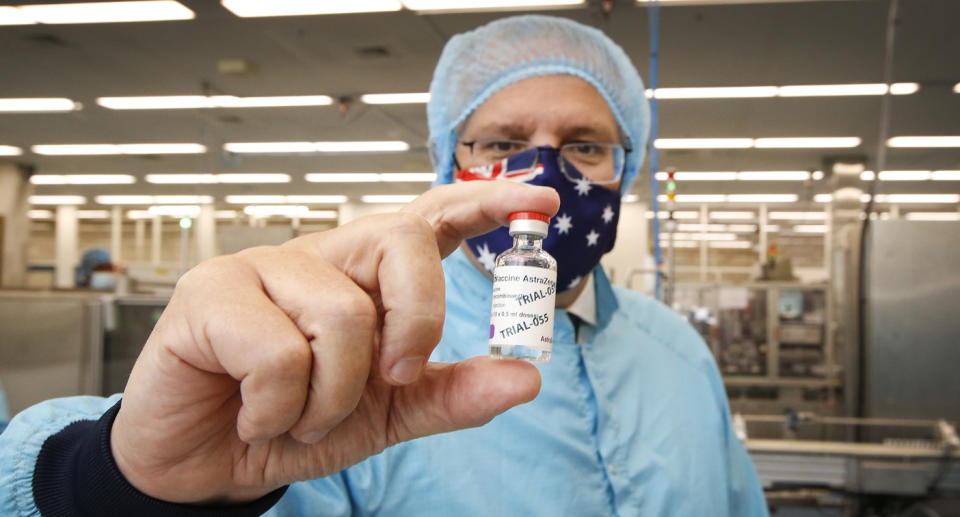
(406, 369)
(313, 437)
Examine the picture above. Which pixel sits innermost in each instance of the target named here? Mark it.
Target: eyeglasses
(599, 162)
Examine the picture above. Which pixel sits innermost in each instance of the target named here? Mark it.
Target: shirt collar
(585, 306)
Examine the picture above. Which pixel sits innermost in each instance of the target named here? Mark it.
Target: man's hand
(280, 364)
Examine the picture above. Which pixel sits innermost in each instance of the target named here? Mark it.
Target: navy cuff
(76, 475)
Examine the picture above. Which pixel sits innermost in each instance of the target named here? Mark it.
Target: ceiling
(817, 42)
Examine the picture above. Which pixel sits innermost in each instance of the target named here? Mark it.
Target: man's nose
(546, 140)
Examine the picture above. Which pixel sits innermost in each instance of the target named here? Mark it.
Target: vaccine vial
(524, 293)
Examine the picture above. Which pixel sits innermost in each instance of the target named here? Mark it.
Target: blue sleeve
(4, 412)
(73, 472)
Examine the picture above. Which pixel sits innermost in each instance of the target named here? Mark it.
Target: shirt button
(612, 469)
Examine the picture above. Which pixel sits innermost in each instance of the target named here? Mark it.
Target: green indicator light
(186, 223)
(671, 186)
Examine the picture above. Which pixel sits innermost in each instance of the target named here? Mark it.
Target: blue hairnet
(476, 64)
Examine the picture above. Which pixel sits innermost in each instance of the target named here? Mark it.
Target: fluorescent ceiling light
(697, 227)
(388, 198)
(730, 244)
(473, 5)
(362, 147)
(97, 12)
(918, 198)
(797, 216)
(924, 141)
(933, 216)
(733, 216)
(821, 90)
(905, 175)
(240, 177)
(773, 175)
(762, 198)
(631, 198)
(810, 228)
(260, 8)
(395, 98)
(37, 214)
(823, 198)
(317, 147)
(742, 228)
(904, 88)
(214, 101)
(703, 143)
(956, 88)
(868, 176)
(695, 198)
(35, 105)
(679, 244)
(715, 93)
(945, 176)
(9, 150)
(281, 199)
(701, 236)
(175, 210)
(342, 177)
(138, 214)
(424, 177)
(319, 214)
(82, 179)
(268, 210)
(106, 149)
(817, 175)
(57, 200)
(807, 143)
(153, 200)
(269, 147)
(698, 176)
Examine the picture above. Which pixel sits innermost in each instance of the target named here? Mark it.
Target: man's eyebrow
(588, 132)
(500, 130)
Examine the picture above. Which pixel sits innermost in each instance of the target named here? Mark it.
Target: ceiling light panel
(268, 210)
(905, 175)
(773, 175)
(933, 216)
(281, 199)
(824, 90)
(37, 105)
(698, 176)
(733, 216)
(108, 149)
(703, 143)
(395, 98)
(924, 141)
(260, 8)
(175, 210)
(230, 178)
(96, 12)
(945, 176)
(807, 142)
(316, 147)
(215, 101)
(342, 177)
(153, 200)
(918, 198)
(797, 216)
(716, 93)
(57, 200)
(37, 214)
(82, 179)
(9, 150)
(479, 5)
(762, 198)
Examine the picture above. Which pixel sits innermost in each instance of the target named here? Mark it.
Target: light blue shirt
(634, 421)
(4, 412)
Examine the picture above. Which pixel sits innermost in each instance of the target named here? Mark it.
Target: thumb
(451, 396)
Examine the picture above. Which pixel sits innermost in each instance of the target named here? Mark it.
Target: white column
(15, 193)
(894, 212)
(762, 227)
(704, 220)
(66, 247)
(139, 238)
(156, 235)
(116, 229)
(206, 233)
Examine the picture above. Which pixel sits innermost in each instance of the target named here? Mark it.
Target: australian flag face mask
(583, 230)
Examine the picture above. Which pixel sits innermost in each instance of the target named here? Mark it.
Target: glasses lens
(597, 162)
(493, 150)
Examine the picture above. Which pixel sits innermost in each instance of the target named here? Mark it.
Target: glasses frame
(618, 174)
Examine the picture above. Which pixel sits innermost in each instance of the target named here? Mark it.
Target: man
(304, 362)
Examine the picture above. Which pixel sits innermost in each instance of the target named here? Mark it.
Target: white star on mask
(607, 214)
(592, 238)
(582, 186)
(486, 257)
(563, 224)
(574, 282)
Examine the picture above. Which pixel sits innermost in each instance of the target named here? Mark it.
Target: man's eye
(501, 146)
(587, 149)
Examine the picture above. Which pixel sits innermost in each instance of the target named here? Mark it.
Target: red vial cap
(536, 216)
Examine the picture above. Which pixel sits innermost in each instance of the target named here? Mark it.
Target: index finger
(463, 210)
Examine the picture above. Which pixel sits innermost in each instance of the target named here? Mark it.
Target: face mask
(583, 230)
(102, 280)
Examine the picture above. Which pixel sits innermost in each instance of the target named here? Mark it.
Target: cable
(881, 162)
(653, 14)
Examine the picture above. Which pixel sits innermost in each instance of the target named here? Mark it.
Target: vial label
(522, 311)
